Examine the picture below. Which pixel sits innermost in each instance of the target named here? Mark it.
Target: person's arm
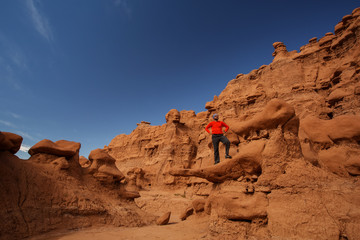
(208, 126)
(226, 126)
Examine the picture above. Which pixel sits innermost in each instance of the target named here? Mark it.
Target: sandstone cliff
(295, 135)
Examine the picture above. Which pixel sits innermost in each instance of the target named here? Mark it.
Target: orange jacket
(216, 127)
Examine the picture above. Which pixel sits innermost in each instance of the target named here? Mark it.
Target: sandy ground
(155, 202)
(194, 228)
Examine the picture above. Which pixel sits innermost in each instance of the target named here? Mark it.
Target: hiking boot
(228, 156)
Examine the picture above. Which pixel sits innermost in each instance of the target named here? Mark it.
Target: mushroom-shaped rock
(10, 142)
(276, 112)
(279, 48)
(103, 167)
(61, 148)
(280, 51)
(164, 219)
(227, 170)
(238, 206)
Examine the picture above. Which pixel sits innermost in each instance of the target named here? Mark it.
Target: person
(218, 136)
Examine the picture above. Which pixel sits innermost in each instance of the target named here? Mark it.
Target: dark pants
(216, 139)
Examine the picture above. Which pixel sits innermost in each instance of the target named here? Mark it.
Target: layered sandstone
(52, 191)
(295, 142)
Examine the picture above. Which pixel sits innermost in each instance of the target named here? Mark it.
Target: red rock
(10, 142)
(59, 148)
(84, 162)
(227, 170)
(199, 205)
(103, 167)
(164, 219)
(238, 206)
(185, 214)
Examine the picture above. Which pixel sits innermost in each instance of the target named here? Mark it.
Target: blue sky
(88, 70)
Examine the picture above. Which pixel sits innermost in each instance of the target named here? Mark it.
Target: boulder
(186, 213)
(164, 219)
(10, 142)
(62, 148)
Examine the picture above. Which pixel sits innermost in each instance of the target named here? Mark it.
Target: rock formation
(295, 142)
(164, 219)
(52, 191)
(10, 142)
(294, 132)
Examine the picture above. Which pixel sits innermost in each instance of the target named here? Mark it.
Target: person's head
(216, 117)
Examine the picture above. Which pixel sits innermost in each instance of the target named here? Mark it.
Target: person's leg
(216, 140)
(226, 142)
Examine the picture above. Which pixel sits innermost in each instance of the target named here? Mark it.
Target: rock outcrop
(295, 142)
(52, 191)
(10, 142)
(103, 167)
(294, 133)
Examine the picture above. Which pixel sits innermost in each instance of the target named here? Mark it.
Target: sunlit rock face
(294, 133)
(294, 174)
(103, 167)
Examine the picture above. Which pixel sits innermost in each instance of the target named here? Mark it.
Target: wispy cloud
(123, 5)
(7, 124)
(24, 148)
(12, 62)
(14, 115)
(39, 20)
(26, 135)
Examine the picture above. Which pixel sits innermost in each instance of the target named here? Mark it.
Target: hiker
(218, 136)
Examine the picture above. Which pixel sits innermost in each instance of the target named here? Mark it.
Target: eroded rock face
(266, 138)
(237, 205)
(50, 192)
(10, 142)
(84, 162)
(333, 144)
(228, 170)
(173, 116)
(299, 117)
(103, 167)
(156, 149)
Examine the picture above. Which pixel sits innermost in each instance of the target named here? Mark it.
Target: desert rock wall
(322, 81)
(295, 142)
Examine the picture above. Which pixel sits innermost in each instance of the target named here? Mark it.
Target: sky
(89, 70)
